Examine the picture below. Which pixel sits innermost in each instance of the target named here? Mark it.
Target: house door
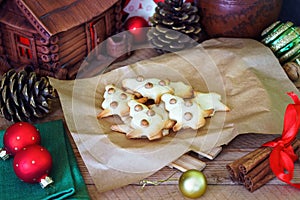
(98, 32)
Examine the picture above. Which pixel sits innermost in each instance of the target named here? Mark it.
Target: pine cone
(176, 25)
(25, 96)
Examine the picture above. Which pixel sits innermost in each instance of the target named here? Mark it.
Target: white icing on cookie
(115, 102)
(210, 101)
(182, 90)
(150, 88)
(145, 122)
(186, 113)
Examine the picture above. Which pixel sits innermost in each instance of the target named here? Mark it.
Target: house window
(24, 48)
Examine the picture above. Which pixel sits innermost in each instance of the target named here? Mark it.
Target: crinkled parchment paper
(243, 71)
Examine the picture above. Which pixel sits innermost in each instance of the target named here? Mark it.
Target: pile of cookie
(151, 108)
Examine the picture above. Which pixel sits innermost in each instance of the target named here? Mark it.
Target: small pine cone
(176, 25)
(25, 96)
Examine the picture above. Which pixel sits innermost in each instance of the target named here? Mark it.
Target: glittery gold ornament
(192, 183)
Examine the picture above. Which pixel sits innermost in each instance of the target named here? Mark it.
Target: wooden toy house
(54, 36)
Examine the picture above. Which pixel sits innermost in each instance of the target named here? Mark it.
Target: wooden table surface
(220, 185)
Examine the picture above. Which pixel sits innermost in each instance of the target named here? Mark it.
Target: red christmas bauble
(156, 1)
(136, 26)
(32, 164)
(19, 135)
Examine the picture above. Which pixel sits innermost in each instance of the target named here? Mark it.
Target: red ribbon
(282, 157)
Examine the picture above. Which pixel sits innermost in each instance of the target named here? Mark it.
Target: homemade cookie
(145, 122)
(151, 108)
(186, 113)
(210, 101)
(160, 109)
(153, 88)
(115, 102)
(181, 89)
(150, 88)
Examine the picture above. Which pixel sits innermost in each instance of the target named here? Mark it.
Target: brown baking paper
(243, 71)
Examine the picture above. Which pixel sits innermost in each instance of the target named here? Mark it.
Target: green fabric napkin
(68, 181)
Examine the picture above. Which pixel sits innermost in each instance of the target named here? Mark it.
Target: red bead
(136, 26)
(157, 1)
(19, 135)
(32, 163)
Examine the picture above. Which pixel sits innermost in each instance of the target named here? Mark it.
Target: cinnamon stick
(258, 170)
(258, 176)
(253, 170)
(255, 160)
(233, 168)
(252, 186)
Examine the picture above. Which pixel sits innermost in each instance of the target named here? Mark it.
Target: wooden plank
(63, 53)
(78, 40)
(54, 57)
(67, 35)
(54, 40)
(42, 41)
(73, 54)
(220, 185)
(58, 17)
(109, 19)
(7, 48)
(213, 192)
(44, 57)
(186, 162)
(211, 154)
(54, 48)
(75, 61)
(73, 70)
(88, 38)
(1, 50)
(10, 45)
(43, 49)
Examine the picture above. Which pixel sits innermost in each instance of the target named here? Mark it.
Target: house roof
(54, 16)
(11, 15)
